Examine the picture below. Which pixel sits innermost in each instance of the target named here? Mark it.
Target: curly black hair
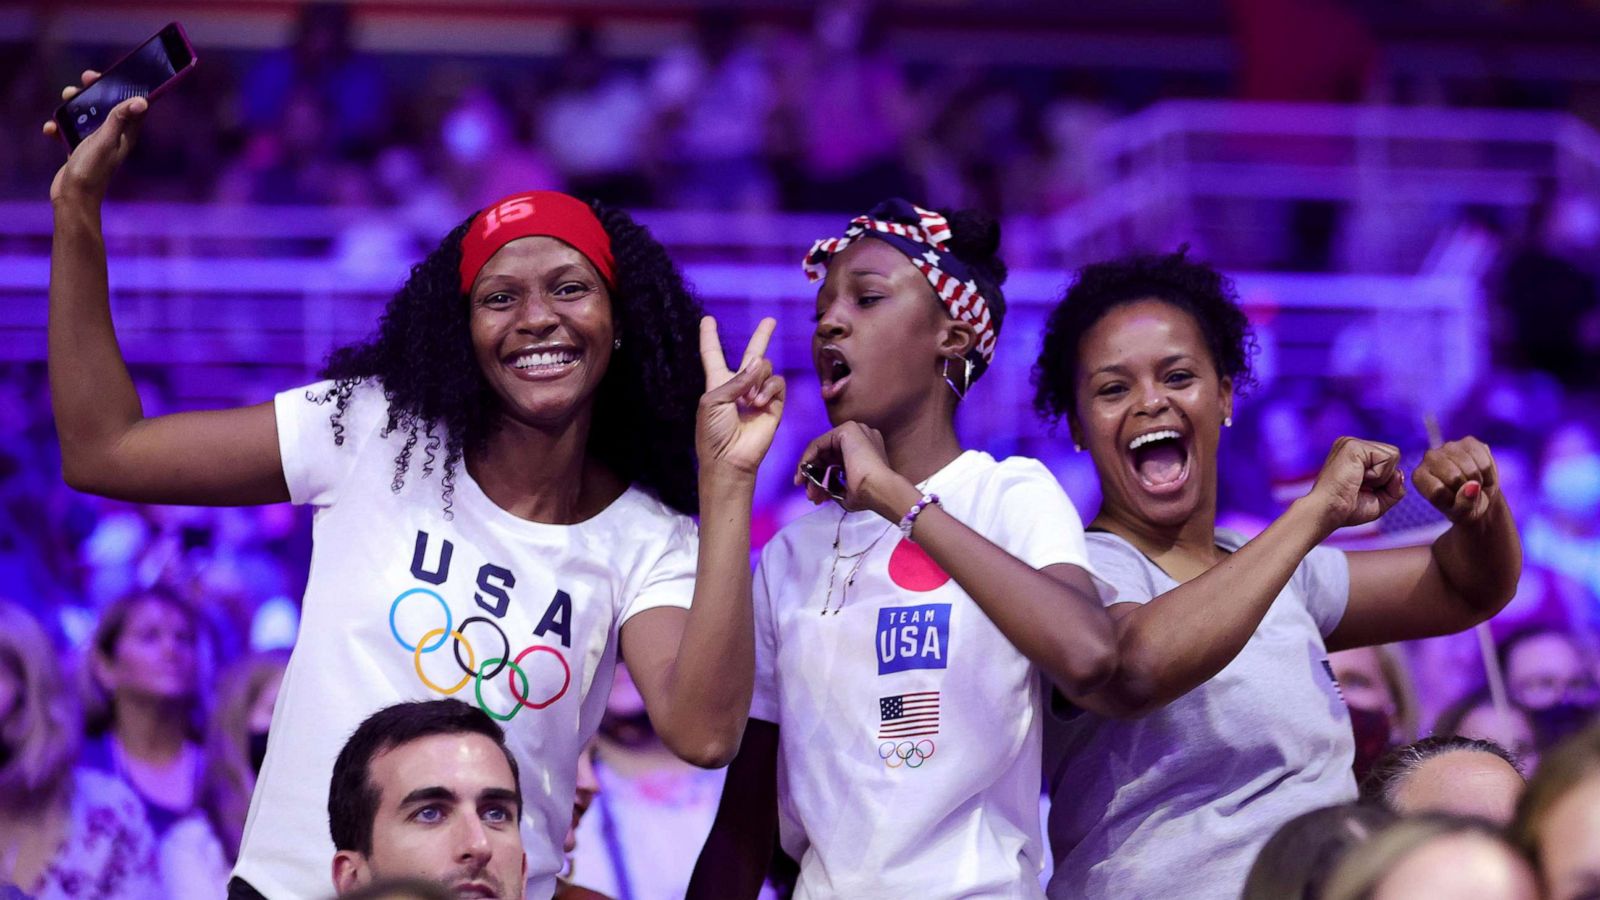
(1097, 288)
(975, 240)
(643, 426)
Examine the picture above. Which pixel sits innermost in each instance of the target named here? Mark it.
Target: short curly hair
(1098, 288)
(643, 426)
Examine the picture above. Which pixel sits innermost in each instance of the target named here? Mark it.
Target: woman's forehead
(1151, 328)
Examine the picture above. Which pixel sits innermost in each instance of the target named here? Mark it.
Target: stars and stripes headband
(921, 235)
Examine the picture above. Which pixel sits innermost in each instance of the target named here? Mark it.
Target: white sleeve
(319, 454)
(764, 699)
(1323, 579)
(1036, 522)
(670, 580)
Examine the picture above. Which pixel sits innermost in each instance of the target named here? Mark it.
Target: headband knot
(536, 214)
(922, 235)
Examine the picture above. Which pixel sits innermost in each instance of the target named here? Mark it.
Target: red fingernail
(1472, 490)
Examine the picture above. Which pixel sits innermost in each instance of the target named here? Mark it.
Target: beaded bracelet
(910, 518)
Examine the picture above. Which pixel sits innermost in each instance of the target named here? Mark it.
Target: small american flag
(908, 715)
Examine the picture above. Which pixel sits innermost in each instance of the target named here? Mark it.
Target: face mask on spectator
(1555, 723)
(1571, 484)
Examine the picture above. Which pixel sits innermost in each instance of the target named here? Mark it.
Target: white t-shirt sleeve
(670, 580)
(319, 455)
(764, 703)
(1035, 521)
(1323, 579)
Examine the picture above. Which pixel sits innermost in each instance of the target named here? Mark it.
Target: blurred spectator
(1552, 676)
(198, 853)
(1549, 293)
(593, 124)
(1565, 536)
(1383, 705)
(1475, 717)
(713, 100)
(1306, 51)
(145, 712)
(1296, 861)
(1546, 667)
(322, 69)
(1558, 821)
(1433, 856)
(587, 788)
(484, 157)
(64, 833)
(1447, 775)
(845, 113)
(651, 811)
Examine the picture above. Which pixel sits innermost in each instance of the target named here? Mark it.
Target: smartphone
(148, 71)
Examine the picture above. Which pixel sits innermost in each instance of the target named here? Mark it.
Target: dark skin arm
(108, 446)
(1463, 578)
(695, 668)
(733, 864)
(1052, 615)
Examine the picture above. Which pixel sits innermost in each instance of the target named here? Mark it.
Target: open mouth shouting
(833, 370)
(543, 363)
(1159, 460)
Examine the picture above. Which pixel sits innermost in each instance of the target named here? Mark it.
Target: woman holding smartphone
(900, 631)
(504, 476)
(1224, 720)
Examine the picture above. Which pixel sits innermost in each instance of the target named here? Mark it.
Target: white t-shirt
(1178, 803)
(908, 759)
(403, 604)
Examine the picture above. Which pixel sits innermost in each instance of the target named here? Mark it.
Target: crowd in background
(134, 615)
(820, 116)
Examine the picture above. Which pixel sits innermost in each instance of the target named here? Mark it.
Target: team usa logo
(423, 624)
(907, 724)
(913, 637)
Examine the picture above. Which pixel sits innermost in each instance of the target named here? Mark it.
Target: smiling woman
(1224, 641)
(540, 363)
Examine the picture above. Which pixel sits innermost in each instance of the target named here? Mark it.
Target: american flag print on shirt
(908, 715)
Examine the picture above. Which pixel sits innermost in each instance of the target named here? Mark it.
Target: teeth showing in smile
(1152, 437)
(543, 358)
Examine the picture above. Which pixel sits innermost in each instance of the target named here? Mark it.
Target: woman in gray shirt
(1224, 720)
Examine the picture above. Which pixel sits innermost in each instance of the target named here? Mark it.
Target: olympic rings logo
(472, 671)
(911, 754)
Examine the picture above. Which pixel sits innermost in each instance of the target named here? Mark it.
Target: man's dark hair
(353, 798)
(1393, 768)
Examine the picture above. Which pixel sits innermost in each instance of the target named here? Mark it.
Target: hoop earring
(966, 377)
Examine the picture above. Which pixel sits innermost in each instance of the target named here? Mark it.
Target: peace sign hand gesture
(739, 411)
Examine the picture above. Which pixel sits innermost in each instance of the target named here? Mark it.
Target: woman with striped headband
(503, 476)
(894, 738)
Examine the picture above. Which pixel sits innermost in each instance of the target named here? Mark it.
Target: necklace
(833, 570)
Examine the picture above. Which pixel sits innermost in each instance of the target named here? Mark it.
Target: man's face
(447, 812)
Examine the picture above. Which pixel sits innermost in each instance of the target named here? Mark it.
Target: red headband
(531, 214)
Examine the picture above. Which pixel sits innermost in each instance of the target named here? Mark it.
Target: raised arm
(695, 668)
(738, 851)
(1181, 639)
(1052, 616)
(1466, 576)
(108, 447)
